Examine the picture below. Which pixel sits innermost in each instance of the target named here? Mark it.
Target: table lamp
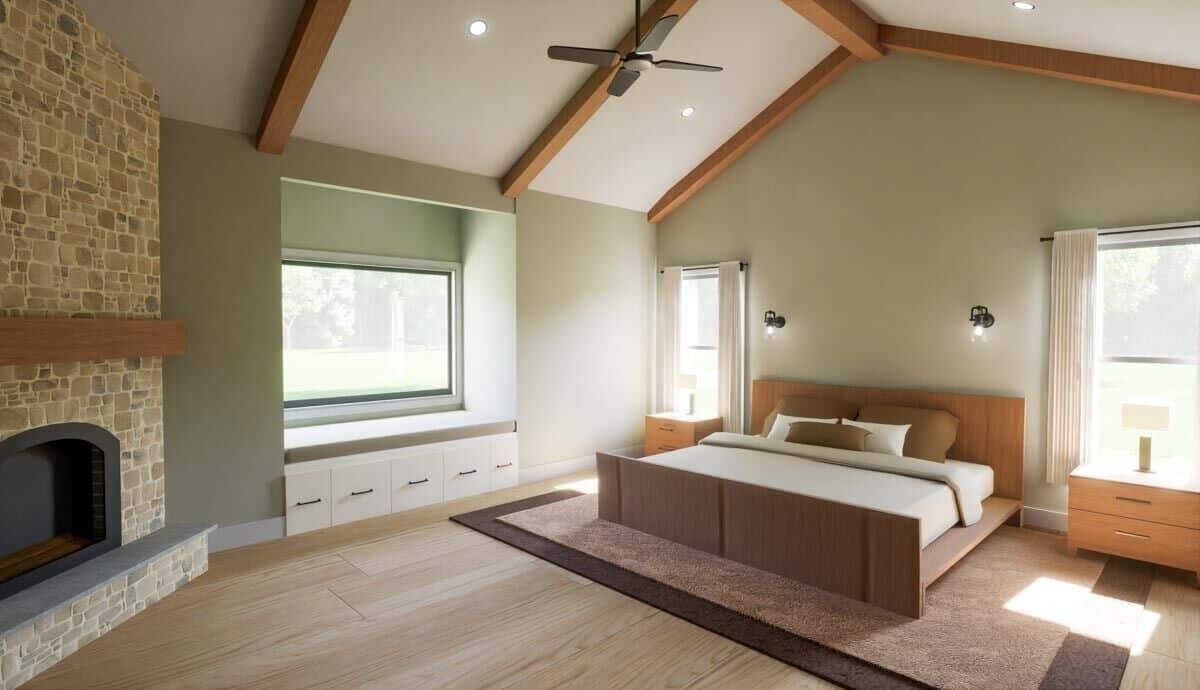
(1145, 416)
(687, 383)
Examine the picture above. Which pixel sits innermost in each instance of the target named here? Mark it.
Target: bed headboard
(991, 429)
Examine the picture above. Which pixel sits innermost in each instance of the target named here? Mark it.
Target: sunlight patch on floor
(1073, 606)
(583, 486)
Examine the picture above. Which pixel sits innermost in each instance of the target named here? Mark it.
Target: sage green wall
(341, 220)
(585, 282)
(584, 286)
(489, 255)
(912, 189)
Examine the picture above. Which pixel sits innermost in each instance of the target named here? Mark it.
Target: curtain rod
(741, 265)
(1187, 226)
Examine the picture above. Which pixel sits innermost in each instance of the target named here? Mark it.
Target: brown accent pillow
(815, 408)
(932, 432)
(828, 435)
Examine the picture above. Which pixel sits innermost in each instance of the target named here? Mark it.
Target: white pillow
(779, 430)
(884, 438)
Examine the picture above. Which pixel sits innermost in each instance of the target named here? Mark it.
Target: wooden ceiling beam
(829, 69)
(580, 108)
(1130, 75)
(844, 22)
(315, 28)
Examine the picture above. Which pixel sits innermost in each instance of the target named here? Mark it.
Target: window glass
(361, 333)
(698, 340)
(1150, 334)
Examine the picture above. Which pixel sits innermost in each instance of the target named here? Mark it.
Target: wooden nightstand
(1146, 516)
(671, 431)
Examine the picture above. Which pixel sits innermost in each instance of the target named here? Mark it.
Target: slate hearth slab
(25, 606)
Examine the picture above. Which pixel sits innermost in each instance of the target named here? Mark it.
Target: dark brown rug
(856, 645)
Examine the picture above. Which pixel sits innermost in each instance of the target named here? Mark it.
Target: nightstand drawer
(1179, 508)
(1138, 539)
(662, 440)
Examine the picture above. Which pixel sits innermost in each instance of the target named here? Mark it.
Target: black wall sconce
(773, 321)
(981, 318)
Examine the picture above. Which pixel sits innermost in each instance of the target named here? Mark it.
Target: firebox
(60, 501)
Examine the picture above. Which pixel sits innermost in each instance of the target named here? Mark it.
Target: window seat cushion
(303, 444)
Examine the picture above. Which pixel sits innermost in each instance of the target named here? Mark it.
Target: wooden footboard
(856, 552)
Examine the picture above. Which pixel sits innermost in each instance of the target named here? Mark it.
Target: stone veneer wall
(36, 647)
(79, 138)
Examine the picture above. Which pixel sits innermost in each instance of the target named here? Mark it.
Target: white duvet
(941, 495)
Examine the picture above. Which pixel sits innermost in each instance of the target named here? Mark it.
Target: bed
(876, 528)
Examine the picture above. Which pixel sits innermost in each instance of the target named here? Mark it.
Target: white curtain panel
(666, 371)
(1073, 351)
(731, 321)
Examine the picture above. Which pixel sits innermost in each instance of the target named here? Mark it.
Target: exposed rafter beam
(1119, 73)
(845, 22)
(315, 28)
(582, 106)
(809, 85)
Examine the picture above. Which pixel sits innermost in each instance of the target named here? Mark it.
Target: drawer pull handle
(463, 474)
(1123, 533)
(419, 481)
(666, 427)
(308, 503)
(667, 448)
(507, 464)
(1133, 500)
(362, 493)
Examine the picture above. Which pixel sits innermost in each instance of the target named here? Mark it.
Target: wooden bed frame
(860, 553)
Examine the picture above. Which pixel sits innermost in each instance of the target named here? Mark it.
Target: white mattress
(932, 502)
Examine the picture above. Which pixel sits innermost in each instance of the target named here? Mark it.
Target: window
(355, 333)
(1150, 333)
(698, 305)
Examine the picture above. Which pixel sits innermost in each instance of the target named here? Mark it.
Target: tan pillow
(828, 435)
(815, 408)
(932, 432)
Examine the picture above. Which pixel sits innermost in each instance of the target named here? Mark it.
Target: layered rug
(1017, 612)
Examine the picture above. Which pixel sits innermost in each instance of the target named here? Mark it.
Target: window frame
(381, 404)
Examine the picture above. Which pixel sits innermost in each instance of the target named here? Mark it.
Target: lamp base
(1144, 454)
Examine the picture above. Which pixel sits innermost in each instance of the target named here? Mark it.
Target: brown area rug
(1068, 622)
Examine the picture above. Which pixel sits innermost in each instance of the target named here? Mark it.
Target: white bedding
(932, 501)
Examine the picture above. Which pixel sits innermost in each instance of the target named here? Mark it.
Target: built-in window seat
(339, 473)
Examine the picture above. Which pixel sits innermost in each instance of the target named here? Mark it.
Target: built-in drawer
(1179, 508)
(466, 469)
(307, 502)
(360, 491)
(416, 481)
(1139, 539)
(503, 471)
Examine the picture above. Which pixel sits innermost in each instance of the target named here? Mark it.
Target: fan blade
(675, 64)
(621, 83)
(655, 37)
(591, 56)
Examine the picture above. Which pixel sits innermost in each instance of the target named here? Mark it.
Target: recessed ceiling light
(477, 27)
(1024, 6)
(688, 111)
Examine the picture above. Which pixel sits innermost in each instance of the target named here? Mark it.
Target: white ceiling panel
(638, 145)
(406, 80)
(1166, 31)
(213, 62)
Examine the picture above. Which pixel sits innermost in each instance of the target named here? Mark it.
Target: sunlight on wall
(1101, 618)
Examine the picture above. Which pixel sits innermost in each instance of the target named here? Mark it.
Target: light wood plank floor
(412, 600)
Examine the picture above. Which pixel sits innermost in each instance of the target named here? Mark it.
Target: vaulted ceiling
(405, 79)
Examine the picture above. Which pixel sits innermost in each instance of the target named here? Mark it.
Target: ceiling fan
(640, 59)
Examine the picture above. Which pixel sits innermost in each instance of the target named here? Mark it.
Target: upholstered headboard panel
(991, 429)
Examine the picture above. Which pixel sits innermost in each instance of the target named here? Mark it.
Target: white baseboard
(549, 470)
(244, 534)
(1045, 519)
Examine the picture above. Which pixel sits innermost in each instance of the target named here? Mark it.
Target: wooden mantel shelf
(37, 341)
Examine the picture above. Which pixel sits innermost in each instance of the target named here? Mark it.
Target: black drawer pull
(308, 503)
(1133, 500)
(667, 448)
(362, 493)
(668, 427)
(461, 474)
(419, 481)
(507, 464)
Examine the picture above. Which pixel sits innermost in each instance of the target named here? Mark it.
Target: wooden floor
(412, 600)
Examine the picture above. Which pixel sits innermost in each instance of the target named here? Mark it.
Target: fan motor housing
(638, 62)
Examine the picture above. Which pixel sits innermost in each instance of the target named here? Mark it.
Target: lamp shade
(1146, 416)
(687, 382)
